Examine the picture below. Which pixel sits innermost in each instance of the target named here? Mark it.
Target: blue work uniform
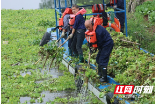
(79, 34)
(105, 45)
(79, 22)
(120, 16)
(120, 4)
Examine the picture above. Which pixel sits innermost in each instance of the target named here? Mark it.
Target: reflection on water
(24, 73)
(53, 71)
(23, 99)
(82, 97)
(50, 96)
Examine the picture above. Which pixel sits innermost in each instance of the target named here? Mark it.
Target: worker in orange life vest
(104, 44)
(78, 33)
(66, 28)
(121, 16)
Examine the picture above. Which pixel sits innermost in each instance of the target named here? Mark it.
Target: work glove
(93, 50)
(70, 36)
(63, 34)
(115, 6)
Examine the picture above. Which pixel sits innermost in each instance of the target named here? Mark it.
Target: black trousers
(77, 42)
(121, 17)
(70, 42)
(103, 55)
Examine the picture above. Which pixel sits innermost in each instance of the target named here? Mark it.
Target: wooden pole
(38, 61)
(89, 58)
(64, 42)
(130, 42)
(58, 40)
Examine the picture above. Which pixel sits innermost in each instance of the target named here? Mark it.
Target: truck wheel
(45, 39)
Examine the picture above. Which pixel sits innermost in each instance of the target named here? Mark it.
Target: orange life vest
(97, 8)
(112, 2)
(67, 11)
(72, 17)
(91, 35)
(116, 25)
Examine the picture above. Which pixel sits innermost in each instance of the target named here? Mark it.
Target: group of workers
(103, 40)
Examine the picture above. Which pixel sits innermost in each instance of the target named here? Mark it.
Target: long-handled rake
(58, 39)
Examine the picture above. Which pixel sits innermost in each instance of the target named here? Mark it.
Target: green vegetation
(127, 65)
(90, 98)
(147, 8)
(23, 29)
(141, 25)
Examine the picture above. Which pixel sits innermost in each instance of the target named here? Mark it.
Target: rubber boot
(70, 52)
(76, 55)
(103, 73)
(74, 58)
(122, 29)
(99, 71)
(81, 59)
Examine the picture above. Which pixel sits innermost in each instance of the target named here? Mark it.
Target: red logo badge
(124, 89)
